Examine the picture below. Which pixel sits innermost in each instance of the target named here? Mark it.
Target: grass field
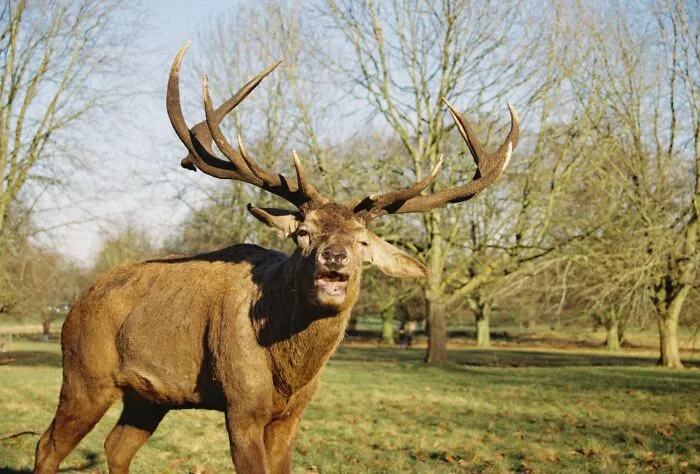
(382, 410)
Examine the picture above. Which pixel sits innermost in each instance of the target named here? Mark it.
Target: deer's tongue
(333, 288)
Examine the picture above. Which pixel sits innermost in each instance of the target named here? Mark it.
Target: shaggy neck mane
(300, 338)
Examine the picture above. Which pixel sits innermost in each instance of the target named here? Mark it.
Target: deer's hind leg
(138, 421)
(79, 410)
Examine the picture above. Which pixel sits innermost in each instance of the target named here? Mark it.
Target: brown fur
(242, 330)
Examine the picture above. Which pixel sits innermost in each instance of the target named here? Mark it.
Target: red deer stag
(244, 330)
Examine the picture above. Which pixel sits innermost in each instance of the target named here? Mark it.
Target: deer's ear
(281, 220)
(392, 260)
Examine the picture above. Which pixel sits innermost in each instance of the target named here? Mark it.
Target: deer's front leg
(280, 433)
(246, 436)
(279, 440)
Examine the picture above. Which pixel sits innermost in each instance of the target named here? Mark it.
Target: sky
(138, 176)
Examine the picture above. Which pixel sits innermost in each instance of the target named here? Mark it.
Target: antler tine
(177, 119)
(490, 167)
(257, 170)
(514, 134)
(234, 157)
(473, 143)
(304, 186)
(243, 92)
(213, 121)
(467, 133)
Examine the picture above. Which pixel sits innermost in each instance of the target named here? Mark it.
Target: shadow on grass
(502, 358)
(552, 341)
(575, 372)
(466, 357)
(31, 359)
(92, 459)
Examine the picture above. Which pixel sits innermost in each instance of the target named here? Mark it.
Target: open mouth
(332, 283)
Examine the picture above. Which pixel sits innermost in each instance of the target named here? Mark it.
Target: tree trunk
(437, 333)
(3, 209)
(388, 328)
(612, 326)
(483, 331)
(46, 326)
(668, 338)
(669, 311)
(435, 304)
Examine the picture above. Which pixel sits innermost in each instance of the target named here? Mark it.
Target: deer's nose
(334, 254)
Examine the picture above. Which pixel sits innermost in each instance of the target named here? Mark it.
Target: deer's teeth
(333, 276)
(332, 283)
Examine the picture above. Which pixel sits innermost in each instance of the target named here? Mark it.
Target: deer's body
(243, 330)
(179, 332)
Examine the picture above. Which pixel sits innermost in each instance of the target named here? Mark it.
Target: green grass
(381, 410)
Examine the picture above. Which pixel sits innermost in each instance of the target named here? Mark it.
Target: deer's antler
(490, 167)
(240, 165)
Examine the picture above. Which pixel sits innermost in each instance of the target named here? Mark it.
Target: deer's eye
(303, 238)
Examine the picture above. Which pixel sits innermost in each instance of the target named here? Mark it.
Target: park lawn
(381, 410)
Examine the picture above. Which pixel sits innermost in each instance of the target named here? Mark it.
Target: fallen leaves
(421, 456)
(442, 456)
(202, 470)
(524, 468)
(665, 431)
(584, 452)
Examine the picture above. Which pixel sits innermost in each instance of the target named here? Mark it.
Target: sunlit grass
(384, 411)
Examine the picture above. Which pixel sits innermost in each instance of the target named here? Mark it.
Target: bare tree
(35, 283)
(55, 57)
(647, 123)
(128, 245)
(673, 285)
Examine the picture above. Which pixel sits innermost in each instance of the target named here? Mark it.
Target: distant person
(412, 325)
(403, 339)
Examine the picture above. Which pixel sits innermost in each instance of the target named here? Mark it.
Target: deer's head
(333, 243)
(332, 239)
